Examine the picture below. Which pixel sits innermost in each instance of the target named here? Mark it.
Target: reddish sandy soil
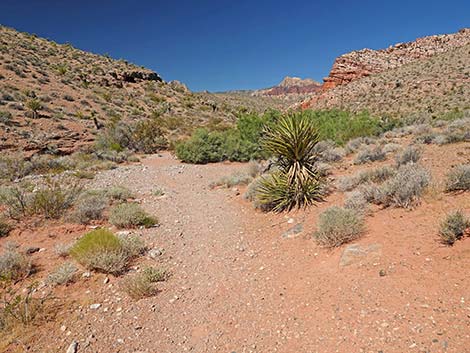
(238, 286)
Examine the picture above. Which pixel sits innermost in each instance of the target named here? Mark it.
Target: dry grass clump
(142, 285)
(103, 251)
(129, 215)
(63, 274)
(337, 225)
(368, 155)
(14, 266)
(328, 151)
(119, 193)
(453, 227)
(458, 178)
(410, 154)
(356, 144)
(233, 180)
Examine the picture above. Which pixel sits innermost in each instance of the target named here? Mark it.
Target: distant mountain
(290, 86)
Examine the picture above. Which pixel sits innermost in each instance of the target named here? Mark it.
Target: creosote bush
(103, 251)
(458, 178)
(453, 227)
(337, 225)
(129, 215)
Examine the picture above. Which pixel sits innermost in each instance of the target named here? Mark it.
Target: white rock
(95, 306)
(73, 347)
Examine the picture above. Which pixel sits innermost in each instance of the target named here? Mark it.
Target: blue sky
(233, 44)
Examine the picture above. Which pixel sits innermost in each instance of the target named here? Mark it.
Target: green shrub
(130, 215)
(337, 226)
(17, 199)
(103, 251)
(296, 183)
(202, 147)
(458, 178)
(14, 167)
(410, 154)
(14, 266)
(119, 193)
(453, 227)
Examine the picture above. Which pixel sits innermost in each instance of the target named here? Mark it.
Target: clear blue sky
(233, 44)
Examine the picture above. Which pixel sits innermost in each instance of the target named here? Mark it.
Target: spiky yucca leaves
(296, 183)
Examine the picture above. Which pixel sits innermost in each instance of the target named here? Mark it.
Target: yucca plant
(295, 183)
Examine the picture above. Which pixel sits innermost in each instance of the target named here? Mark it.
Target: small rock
(294, 231)
(123, 233)
(106, 280)
(32, 250)
(290, 220)
(95, 306)
(86, 274)
(73, 347)
(154, 253)
(382, 273)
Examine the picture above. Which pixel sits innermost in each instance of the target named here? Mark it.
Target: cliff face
(361, 63)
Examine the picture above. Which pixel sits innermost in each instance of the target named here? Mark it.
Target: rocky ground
(245, 281)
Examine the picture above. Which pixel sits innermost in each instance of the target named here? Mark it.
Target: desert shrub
(233, 180)
(337, 226)
(89, 207)
(142, 285)
(453, 227)
(62, 250)
(405, 188)
(5, 227)
(371, 192)
(119, 193)
(34, 105)
(357, 143)
(327, 151)
(115, 137)
(342, 126)
(376, 175)
(410, 154)
(103, 251)
(5, 117)
(356, 201)
(14, 265)
(24, 308)
(130, 215)
(14, 167)
(391, 147)
(368, 155)
(54, 197)
(458, 178)
(63, 274)
(295, 183)
(148, 137)
(17, 199)
(202, 147)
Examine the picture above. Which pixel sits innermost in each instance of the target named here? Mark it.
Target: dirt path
(239, 286)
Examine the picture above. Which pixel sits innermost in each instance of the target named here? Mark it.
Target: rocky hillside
(365, 62)
(290, 86)
(55, 97)
(430, 74)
